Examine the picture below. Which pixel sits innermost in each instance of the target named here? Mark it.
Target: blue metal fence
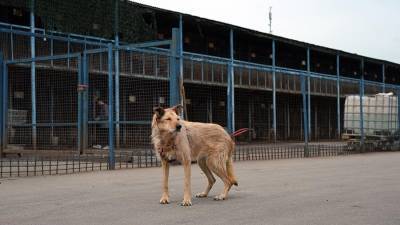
(154, 73)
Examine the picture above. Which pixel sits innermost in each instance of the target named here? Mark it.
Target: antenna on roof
(270, 19)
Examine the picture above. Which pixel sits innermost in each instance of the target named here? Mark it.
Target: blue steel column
(80, 105)
(383, 78)
(85, 107)
(117, 75)
(305, 115)
(174, 75)
(231, 88)
(4, 106)
(33, 76)
(1, 105)
(181, 58)
(398, 107)
(273, 90)
(361, 105)
(111, 154)
(338, 95)
(308, 94)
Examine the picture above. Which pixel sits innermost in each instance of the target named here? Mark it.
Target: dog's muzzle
(178, 127)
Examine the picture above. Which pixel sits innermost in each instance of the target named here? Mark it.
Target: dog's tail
(229, 170)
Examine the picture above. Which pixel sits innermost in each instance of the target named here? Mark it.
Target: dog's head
(167, 120)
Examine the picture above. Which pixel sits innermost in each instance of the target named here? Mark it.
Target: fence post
(338, 95)
(398, 108)
(80, 105)
(117, 75)
(85, 102)
(111, 153)
(273, 90)
(4, 97)
(305, 115)
(33, 75)
(309, 96)
(361, 105)
(231, 88)
(180, 61)
(1, 104)
(174, 87)
(383, 78)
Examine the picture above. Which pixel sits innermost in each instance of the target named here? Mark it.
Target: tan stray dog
(208, 143)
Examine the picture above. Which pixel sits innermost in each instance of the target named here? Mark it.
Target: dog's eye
(168, 119)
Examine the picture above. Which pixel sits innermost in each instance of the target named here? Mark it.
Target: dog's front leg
(165, 195)
(187, 195)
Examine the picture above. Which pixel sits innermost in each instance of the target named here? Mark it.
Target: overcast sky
(365, 27)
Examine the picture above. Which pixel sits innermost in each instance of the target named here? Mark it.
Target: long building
(266, 67)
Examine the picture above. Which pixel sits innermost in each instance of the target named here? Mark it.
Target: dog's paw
(201, 195)
(164, 200)
(186, 203)
(219, 197)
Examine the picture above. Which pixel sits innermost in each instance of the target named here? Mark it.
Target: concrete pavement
(357, 189)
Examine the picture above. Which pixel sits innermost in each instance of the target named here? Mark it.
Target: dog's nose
(178, 127)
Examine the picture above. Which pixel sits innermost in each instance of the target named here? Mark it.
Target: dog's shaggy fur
(185, 141)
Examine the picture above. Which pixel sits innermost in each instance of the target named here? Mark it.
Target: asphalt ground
(356, 190)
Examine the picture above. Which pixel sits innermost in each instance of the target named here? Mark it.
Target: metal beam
(117, 75)
(5, 107)
(231, 88)
(148, 44)
(2, 97)
(308, 94)
(398, 108)
(80, 106)
(111, 153)
(273, 89)
(361, 105)
(49, 36)
(41, 58)
(383, 78)
(305, 115)
(180, 61)
(85, 128)
(174, 87)
(33, 76)
(338, 96)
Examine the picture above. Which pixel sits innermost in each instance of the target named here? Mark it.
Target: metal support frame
(398, 108)
(174, 87)
(5, 107)
(231, 88)
(273, 90)
(362, 137)
(339, 132)
(383, 78)
(80, 106)
(111, 153)
(2, 97)
(33, 77)
(309, 95)
(181, 56)
(85, 104)
(305, 115)
(117, 75)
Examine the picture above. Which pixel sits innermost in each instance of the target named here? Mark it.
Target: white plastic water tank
(379, 112)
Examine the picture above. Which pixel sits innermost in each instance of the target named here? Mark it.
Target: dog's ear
(159, 111)
(178, 109)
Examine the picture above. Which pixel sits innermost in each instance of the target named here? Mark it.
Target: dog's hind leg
(210, 177)
(219, 168)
